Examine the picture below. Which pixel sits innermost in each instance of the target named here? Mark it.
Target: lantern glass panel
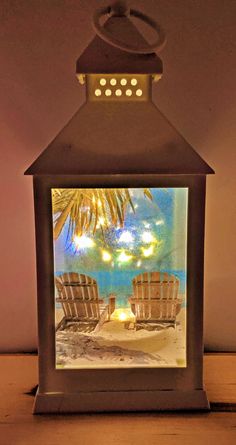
(120, 277)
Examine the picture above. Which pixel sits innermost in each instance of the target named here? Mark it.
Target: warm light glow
(83, 241)
(139, 263)
(122, 316)
(98, 92)
(126, 237)
(134, 82)
(159, 222)
(108, 92)
(139, 93)
(128, 92)
(123, 82)
(147, 237)
(124, 258)
(106, 256)
(148, 252)
(113, 82)
(118, 92)
(103, 82)
(101, 221)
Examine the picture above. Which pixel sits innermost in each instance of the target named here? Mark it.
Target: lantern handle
(119, 9)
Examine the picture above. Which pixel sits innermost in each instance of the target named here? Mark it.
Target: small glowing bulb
(113, 81)
(106, 256)
(99, 203)
(122, 316)
(123, 257)
(139, 93)
(101, 222)
(148, 252)
(83, 241)
(134, 82)
(139, 263)
(128, 93)
(159, 222)
(98, 92)
(147, 237)
(123, 82)
(126, 237)
(103, 82)
(108, 92)
(118, 92)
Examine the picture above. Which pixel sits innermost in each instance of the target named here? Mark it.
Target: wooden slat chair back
(155, 297)
(78, 295)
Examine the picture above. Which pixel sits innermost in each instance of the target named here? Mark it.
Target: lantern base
(161, 400)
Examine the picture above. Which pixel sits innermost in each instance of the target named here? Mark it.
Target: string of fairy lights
(122, 246)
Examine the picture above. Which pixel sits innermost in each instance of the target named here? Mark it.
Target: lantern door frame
(121, 389)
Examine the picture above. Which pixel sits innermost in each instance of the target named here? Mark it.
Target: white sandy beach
(116, 346)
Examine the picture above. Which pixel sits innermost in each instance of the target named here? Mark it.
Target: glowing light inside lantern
(106, 256)
(118, 92)
(160, 222)
(101, 221)
(134, 82)
(148, 252)
(83, 241)
(147, 237)
(126, 237)
(124, 258)
(122, 316)
(139, 93)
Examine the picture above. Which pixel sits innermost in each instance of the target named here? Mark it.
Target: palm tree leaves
(90, 209)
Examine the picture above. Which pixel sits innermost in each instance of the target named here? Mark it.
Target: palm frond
(90, 209)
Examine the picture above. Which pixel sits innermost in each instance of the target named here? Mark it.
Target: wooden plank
(19, 427)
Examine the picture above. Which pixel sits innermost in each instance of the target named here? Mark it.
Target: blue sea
(119, 282)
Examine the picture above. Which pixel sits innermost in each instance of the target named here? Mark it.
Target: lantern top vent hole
(118, 87)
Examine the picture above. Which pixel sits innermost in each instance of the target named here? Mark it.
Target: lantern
(119, 209)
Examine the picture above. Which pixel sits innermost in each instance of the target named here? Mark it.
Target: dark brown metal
(114, 389)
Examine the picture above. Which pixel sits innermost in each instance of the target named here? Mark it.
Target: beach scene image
(120, 277)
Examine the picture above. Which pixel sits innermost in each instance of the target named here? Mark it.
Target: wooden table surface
(19, 427)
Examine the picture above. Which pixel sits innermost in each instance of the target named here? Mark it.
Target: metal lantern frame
(84, 155)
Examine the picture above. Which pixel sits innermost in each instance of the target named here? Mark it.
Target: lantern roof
(102, 57)
(119, 138)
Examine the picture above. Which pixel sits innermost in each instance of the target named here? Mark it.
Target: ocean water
(120, 283)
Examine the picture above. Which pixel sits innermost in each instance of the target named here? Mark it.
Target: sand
(116, 346)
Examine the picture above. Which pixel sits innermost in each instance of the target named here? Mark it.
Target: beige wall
(39, 43)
